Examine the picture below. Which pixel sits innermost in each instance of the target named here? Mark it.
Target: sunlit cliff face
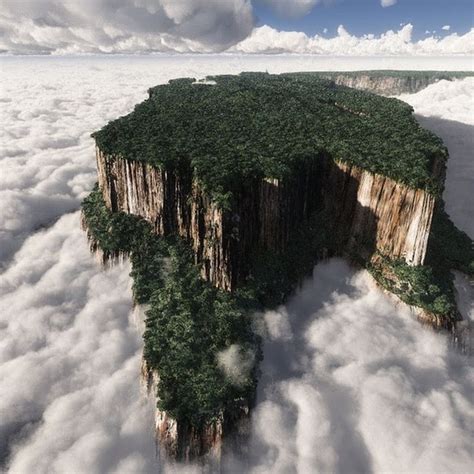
(350, 382)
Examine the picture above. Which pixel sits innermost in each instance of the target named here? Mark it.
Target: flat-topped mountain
(226, 192)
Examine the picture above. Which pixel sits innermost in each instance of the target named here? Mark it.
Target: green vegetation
(120, 232)
(431, 286)
(420, 286)
(448, 247)
(189, 321)
(188, 324)
(257, 124)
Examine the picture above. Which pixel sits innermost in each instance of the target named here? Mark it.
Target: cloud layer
(269, 40)
(55, 26)
(351, 383)
(180, 26)
(69, 358)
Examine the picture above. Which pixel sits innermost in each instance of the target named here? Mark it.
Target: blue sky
(368, 16)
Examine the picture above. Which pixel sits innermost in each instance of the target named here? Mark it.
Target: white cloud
(446, 28)
(69, 358)
(342, 361)
(47, 165)
(186, 26)
(359, 386)
(387, 3)
(449, 100)
(54, 26)
(236, 363)
(269, 40)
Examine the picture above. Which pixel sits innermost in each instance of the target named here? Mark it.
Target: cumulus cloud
(342, 363)
(355, 364)
(186, 26)
(236, 363)
(266, 39)
(54, 26)
(69, 361)
(446, 28)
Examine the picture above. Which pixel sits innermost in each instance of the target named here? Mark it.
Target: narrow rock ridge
(369, 212)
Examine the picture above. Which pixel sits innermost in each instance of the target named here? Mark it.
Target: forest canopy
(228, 129)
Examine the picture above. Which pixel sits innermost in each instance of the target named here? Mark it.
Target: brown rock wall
(368, 211)
(372, 212)
(384, 85)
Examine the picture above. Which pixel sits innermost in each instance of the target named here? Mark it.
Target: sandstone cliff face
(172, 203)
(372, 212)
(263, 214)
(384, 85)
(369, 212)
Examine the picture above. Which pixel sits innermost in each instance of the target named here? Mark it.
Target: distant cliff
(390, 83)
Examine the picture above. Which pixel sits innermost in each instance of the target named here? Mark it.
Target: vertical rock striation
(372, 212)
(385, 85)
(369, 212)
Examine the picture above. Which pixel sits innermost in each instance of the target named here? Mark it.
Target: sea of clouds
(350, 381)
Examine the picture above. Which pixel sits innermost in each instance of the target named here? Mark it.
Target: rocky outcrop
(369, 212)
(183, 442)
(385, 84)
(369, 217)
